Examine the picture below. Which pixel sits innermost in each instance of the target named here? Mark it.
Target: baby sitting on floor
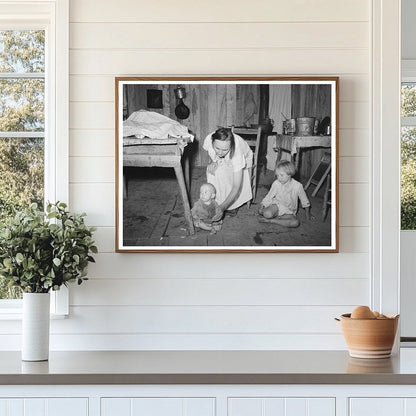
(205, 209)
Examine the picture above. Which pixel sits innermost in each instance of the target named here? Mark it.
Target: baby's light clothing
(286, 197)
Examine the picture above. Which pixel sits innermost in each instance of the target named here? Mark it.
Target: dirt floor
(154, 216)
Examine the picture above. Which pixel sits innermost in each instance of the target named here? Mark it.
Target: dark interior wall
(210, 105)
(311, 100)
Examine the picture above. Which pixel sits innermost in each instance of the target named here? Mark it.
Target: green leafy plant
(43, 251)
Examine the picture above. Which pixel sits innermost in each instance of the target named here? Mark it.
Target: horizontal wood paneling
(218, 11)
(265, 265)
(88, 169)
(92, 115)
(353, 115)
(105, 239)
(352, 239)
(98, 88)
(94, 143)
(250, 301)
(201, 319)
(220, 291)
(93, 88)
(206, 320)
(354, 170)
(220, 62)
(96, 199)
(354, 142)
(101, 115)
(354, 200)
(221, 35)
(168, 341)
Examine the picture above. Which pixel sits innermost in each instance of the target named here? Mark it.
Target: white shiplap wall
(215, 301)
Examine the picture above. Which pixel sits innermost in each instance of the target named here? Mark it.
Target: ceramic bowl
(369, 338)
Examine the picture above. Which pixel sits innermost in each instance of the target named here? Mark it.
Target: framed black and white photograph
(226, 164)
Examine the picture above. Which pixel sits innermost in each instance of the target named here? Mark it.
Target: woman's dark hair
(224, 134)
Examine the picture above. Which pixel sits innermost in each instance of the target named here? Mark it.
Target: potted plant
(40, 252)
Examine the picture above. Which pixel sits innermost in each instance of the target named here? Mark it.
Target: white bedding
(144, 123)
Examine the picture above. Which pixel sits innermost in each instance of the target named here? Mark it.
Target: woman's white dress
(224, 175)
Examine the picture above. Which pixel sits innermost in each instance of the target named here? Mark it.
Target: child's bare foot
(262, 219)
(285, 221)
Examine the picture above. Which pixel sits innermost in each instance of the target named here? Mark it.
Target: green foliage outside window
(408, 160)
(408, 179)
(21, 110)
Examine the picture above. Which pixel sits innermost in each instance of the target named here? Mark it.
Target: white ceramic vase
(35, 326)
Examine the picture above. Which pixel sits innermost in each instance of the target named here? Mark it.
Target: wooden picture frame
(162, 157)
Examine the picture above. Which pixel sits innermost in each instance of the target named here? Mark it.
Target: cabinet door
(44, 407)
(376, 406)
(253, 406)
(160, 406)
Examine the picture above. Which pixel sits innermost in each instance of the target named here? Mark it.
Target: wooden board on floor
(163, 221)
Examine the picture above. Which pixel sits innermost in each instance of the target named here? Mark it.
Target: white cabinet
(44, 407)
(271, 406)
(208, 400)
(382, 406)
(160, 406)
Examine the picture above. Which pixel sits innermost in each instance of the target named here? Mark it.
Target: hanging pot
(35, 326)
(181, 110)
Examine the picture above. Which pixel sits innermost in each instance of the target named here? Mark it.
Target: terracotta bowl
(369, 338)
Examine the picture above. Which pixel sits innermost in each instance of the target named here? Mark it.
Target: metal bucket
(304, 126)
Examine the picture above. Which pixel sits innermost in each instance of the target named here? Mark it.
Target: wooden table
(162, 153)
(295, 144)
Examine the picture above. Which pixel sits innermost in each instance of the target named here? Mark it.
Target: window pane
(22, 51)
(22, 97)
(21, 182)
(7, 292)
(21, 173)
(22, 104)
(408, 105)
(408, 178)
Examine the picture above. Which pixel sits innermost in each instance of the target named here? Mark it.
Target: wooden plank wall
(311, 101)
(210, 105)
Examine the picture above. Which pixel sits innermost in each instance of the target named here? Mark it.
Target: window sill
(11, 309)
(13, 315)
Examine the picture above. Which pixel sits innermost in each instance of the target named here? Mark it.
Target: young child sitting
(205, 209)
(280, 205)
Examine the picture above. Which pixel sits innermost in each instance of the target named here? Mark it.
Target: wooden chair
(252, 136)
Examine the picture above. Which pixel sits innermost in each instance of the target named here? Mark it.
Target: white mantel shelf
(207, 367)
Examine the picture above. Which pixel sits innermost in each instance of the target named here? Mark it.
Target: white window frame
(53, 17)
(385, 150)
